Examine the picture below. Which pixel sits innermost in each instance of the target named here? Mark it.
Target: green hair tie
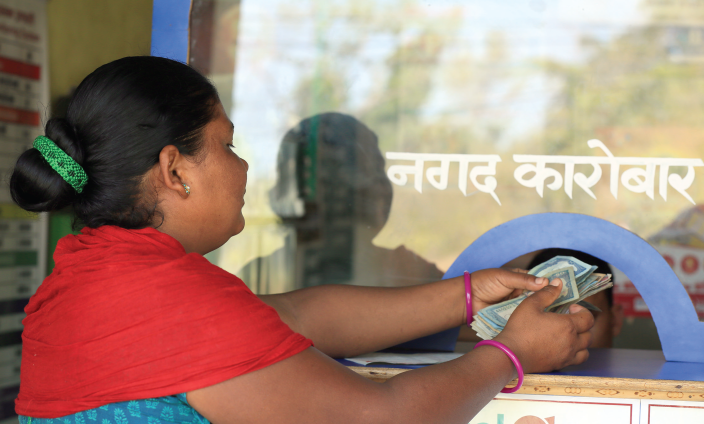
(62, 163)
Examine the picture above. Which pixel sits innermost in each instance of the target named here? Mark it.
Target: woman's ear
(173, 170)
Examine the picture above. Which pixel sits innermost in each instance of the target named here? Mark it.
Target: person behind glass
(134, 325)
(608, 322)
(333, 194)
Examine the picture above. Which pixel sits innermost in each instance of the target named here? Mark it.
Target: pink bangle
(468, 294)
(511, 356)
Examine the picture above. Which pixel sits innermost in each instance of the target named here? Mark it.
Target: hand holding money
(493, 285)
(579, 282)
(545, 341)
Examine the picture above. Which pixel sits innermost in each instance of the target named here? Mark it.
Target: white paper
(405, 359)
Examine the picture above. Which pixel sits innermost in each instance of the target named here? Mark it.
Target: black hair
(601, 266)
(119, 119)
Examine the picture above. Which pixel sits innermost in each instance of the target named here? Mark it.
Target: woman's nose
(246, 164)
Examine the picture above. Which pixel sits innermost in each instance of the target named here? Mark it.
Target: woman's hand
(490, 286)
(546, 341)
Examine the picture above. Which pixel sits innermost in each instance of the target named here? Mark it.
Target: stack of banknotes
(579, 282)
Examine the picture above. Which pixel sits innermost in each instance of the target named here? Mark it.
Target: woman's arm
(346, 321)
(312, 388)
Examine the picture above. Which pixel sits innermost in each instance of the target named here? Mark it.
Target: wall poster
(23, 236)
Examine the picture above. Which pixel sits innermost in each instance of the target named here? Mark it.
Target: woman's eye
(231, 146)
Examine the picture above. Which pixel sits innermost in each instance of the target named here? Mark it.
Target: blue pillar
(170, 25)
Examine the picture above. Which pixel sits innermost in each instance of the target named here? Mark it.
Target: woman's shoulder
(111, 244)
(105, 259)
(116, 283)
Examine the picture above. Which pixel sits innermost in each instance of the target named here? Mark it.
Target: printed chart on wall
(23, 100)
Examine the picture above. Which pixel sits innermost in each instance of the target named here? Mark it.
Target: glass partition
(385, 136)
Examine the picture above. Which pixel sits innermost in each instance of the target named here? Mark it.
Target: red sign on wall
(687, 263)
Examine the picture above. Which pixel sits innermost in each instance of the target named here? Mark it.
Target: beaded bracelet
(468, 294)
(511, 356)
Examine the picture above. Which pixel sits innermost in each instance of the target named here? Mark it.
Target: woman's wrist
(512, 345)
(511, 356)
(494, 360)
(501, 357)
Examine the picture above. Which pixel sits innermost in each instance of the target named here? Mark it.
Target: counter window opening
(678, 326)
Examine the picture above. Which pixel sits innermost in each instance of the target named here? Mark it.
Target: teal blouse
(164, 410)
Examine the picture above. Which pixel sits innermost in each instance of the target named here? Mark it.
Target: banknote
(603, 282)
(498, 314)
(570, 290)
(581, 269)
(589, 281)
(484, 330)
(587, 305)
(579, 282)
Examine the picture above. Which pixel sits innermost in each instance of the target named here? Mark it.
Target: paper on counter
(404, 358)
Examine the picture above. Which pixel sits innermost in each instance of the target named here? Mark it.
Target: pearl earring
(187, 188)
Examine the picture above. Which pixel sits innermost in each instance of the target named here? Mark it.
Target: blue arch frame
(681, 333)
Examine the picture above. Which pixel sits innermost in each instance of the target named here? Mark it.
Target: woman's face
(218, 185)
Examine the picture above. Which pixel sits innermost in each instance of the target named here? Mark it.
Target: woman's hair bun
(34, 185)
(118, 121)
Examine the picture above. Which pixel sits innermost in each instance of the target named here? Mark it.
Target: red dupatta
(127, 314)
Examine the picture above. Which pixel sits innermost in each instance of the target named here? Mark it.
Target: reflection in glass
(333, 192)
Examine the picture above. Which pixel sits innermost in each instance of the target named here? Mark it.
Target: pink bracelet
(468, 293)
(511, 356)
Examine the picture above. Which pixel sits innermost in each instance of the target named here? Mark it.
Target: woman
(134, 325)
